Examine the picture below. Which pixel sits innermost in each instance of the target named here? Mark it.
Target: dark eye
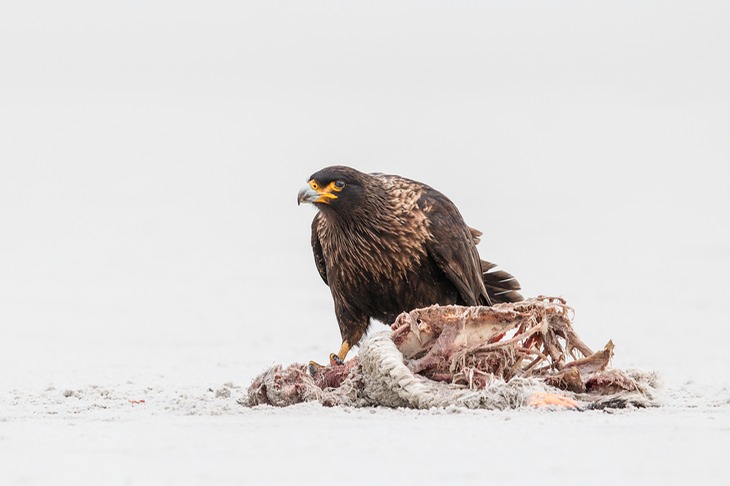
(339, 184)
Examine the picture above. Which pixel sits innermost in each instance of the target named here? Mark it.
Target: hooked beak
(313, 192)
(307, 195)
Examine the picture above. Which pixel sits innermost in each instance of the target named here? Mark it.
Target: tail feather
(501, 286)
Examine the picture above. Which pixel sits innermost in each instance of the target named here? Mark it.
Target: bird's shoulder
(405, 193)
(431, 206)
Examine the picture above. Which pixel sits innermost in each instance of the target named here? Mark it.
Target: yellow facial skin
(326, 193)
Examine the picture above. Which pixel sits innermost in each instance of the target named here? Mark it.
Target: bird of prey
(385, 244)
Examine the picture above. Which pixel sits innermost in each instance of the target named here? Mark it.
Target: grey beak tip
(306, 194)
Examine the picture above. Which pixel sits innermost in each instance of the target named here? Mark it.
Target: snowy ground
(153, 259)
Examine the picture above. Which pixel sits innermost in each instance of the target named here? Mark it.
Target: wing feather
(317, 250)
(452, 247)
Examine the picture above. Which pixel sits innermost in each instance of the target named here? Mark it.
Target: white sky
(151, 152)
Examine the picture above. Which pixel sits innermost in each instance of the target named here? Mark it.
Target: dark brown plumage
(386, 244)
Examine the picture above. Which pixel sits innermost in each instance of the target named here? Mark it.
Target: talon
(314, 368)
(336, 360)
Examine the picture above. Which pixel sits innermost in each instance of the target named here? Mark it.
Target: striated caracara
(386, 244)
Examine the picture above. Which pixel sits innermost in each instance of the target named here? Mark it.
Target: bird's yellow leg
(335, 359)
(339, 358)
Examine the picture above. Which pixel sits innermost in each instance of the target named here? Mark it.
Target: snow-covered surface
(153, 259)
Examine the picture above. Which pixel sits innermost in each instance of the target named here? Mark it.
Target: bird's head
(338, 189)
